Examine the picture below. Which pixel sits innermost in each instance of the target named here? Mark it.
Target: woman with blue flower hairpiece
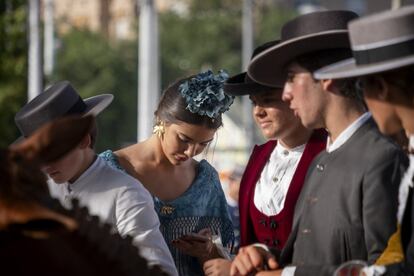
(187, 194)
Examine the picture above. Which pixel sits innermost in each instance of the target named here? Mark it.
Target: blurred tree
(95, 66)
(269, 18)
(13, 66)
(205, 36)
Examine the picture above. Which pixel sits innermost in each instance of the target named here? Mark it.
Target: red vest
(272, 230)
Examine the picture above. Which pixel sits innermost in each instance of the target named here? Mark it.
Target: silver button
(275, 179)
(320, 167)
(312, 199)
(306, 231)
(285, 152)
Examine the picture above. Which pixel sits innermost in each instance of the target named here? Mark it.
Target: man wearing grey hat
(338, 216)
(383, 51)
(115, 197)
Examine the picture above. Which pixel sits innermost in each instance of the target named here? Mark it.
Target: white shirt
(122, 201)
(273, 184)
(330, 147)
(347, 133)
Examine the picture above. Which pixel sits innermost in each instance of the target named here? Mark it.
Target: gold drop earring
(159, 129)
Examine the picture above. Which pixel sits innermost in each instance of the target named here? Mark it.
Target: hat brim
(268, 68)
(349, 69)
(97, 104)
(237, 86)
(94, 106)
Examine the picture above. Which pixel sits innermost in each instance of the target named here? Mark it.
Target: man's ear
(327, 84)
(383, 88)
(85, 142)
(377, 87)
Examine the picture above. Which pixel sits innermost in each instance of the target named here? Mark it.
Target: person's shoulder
(381, 142)
(118, 176)
(381, 148)
(205, 168)
(107, 155)
(268, 145)
(123, 182)
(110, 158)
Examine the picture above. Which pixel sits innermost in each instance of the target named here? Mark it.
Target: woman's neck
(155, 153)
(296, 138)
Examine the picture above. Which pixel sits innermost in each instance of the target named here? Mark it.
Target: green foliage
(205, 37)
(209, 35)
(13, 66)
(94, 66)
(269, 21)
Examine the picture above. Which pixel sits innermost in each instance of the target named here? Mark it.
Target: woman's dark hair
(172, 109)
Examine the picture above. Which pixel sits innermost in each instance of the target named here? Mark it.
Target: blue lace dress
(203, 205)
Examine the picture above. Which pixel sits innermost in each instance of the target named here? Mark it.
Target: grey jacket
(347, 208)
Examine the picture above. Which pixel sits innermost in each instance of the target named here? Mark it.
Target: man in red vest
(275, 173)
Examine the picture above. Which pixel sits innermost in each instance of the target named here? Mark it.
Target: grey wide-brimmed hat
(307, 33)
(58, 100)
(380, 42)
(242, 84)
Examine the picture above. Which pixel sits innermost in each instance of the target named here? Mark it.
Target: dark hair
(316, 60)
(401, 78)
(172, 109)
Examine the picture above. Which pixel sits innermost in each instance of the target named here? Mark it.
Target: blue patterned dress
(203, 205)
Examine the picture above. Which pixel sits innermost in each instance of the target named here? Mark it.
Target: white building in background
(116, 18)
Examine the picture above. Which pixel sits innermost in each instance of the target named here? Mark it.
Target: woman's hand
(199, 245)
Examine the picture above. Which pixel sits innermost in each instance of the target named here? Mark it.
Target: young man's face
(66, 169)
(183, 141)
(305, 96)
(272, 115)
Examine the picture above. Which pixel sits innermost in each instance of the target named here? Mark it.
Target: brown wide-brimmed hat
(379, 42)
(241, 84)
(58, 100)
(305, 34)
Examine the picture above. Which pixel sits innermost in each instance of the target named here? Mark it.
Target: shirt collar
(347, 133)
(281, 150)
(85, 177)
(411, 143)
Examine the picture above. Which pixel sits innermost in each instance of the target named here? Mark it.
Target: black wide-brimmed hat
(242, 84)
(380, 42)
(307, 33)
(58, 100)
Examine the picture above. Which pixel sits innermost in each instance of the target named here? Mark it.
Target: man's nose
(286, 96)
(258, 111)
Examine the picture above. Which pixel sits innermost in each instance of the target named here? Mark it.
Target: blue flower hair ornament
(204, 94)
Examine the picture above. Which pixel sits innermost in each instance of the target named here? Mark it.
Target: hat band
(385, 53)
(78, 107)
